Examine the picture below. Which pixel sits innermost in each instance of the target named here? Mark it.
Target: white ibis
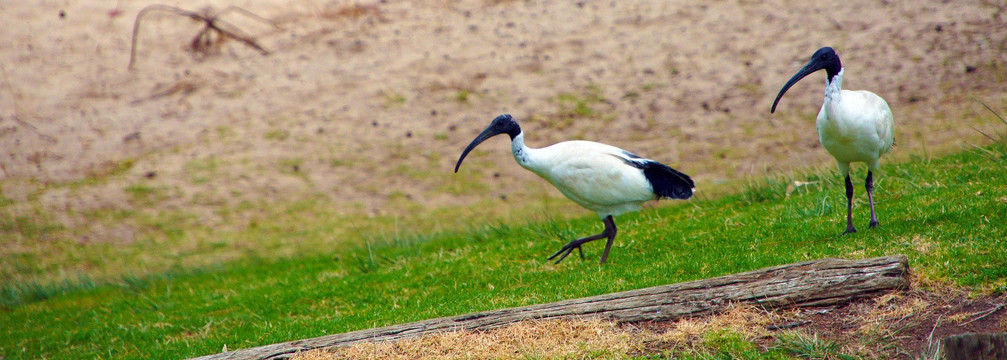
(599, 177)
(854, 126)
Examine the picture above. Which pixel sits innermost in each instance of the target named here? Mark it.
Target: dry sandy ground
(362, 102)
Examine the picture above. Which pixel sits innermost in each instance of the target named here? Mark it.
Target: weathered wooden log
(806, 284)
(975, 347)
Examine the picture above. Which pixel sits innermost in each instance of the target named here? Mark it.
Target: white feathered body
(594, 175)
(854, 126)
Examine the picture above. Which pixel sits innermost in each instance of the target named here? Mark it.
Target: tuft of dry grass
(550, 339)
(536, 339)
(744, 320)
(891, 314)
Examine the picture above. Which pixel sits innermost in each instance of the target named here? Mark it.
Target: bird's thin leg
(575, 244)
(610, 230)
(869, 184)
(849, 206)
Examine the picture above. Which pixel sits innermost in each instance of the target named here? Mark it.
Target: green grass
(726, 344)
(463, 95)
(809, 347)
(574, 105)
(946, 214)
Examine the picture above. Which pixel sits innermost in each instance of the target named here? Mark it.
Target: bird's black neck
(513, 131)
(833, 69)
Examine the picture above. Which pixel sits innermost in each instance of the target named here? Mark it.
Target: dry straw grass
(551, 339)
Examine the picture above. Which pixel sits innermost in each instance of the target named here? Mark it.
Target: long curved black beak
(491, 131)
(812, 66)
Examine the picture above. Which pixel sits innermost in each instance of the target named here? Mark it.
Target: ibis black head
(824, 58)
(503, 124)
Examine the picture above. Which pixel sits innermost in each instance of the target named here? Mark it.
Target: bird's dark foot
(850, 230)
(567, 249)
(874, 224)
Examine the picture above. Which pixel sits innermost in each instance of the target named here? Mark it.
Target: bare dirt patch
(899, 325)
(906, 325)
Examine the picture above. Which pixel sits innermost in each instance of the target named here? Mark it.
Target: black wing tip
(668, 183)
(684, 194)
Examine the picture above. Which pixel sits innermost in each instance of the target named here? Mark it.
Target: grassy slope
(945, 213)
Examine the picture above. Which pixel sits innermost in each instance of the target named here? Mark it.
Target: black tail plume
(668, 183)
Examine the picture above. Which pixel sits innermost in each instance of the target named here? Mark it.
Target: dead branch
(982, 314)
(204, 40)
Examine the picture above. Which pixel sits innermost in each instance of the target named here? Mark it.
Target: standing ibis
(854, 126)
(599, 177)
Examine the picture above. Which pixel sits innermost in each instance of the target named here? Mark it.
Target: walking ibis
(598, 177)
(854, 126)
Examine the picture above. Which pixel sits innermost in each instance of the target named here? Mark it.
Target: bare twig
(42, 136)
(896, 319)
(985, 313)
(788, 326)
(938, 322)
(212, 24)
(933, 349)
(248, 14)
(14, 116)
